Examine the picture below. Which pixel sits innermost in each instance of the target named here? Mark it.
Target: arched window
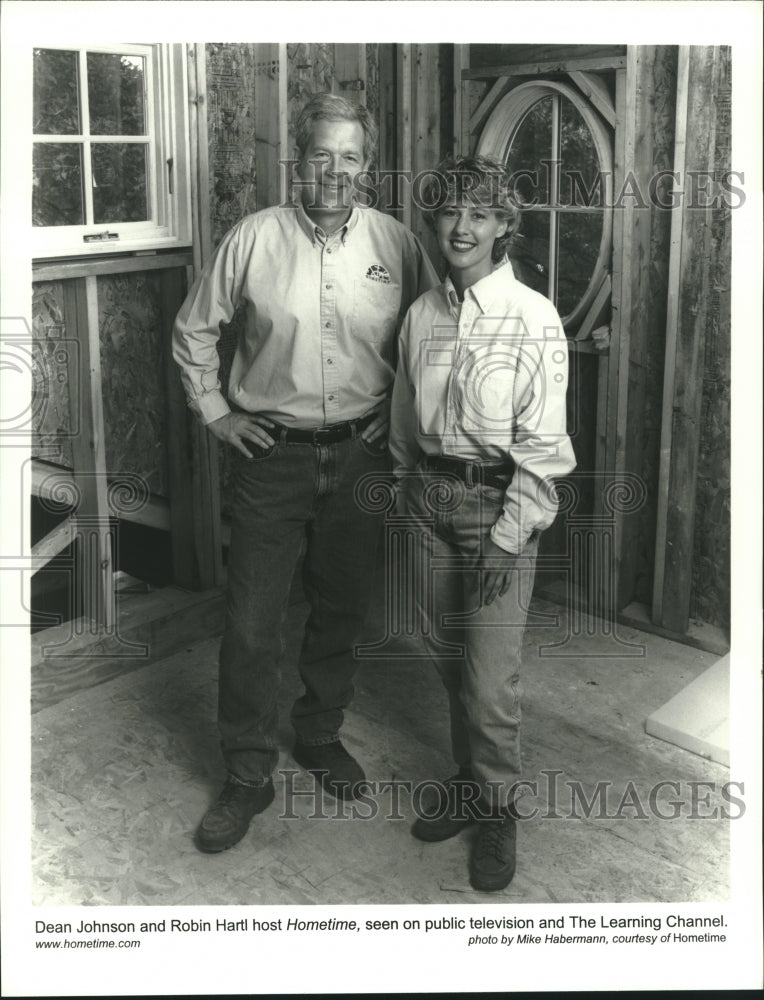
(561, 152)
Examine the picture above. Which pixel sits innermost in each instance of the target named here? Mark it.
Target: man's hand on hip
(379, 426)
(495, 579)
(236, 428)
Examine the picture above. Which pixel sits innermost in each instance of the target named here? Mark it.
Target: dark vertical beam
(685, 344)
(403, 99)
(388, 146)
(649, 91)
(425, 128)
(179, 452)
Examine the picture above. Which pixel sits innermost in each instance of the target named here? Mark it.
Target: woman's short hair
(330, 107)
(479, 180)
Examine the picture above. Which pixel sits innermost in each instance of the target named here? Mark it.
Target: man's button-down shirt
(322, 313)
(483, 380)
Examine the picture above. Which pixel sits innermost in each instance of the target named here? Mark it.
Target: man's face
(332, 158)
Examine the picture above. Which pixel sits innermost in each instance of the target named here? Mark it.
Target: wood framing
(271, 138)
(403, 114)
(461, 62)
(685, 342)
(350, 71)
(564, 65)
(151, 261)
(94, 556)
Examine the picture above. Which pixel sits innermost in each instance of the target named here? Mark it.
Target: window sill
(85, 265)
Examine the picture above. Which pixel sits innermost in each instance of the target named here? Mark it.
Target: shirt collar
(486, 291)
(311, 230)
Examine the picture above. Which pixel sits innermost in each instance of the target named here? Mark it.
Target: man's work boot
(226, 822)
(339, 773)
(449, 809)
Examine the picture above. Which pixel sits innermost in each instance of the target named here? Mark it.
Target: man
(325, 282)
(478, 433)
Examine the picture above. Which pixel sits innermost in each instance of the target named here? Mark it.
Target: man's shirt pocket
(376, 306)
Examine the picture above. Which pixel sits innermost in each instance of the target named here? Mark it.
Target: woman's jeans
(283, 497)
(481, 670)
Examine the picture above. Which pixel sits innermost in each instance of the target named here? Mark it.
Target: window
(560, 151)
(110, 157)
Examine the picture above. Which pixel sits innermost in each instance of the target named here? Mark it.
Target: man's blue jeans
(452, 522)
(284, 496)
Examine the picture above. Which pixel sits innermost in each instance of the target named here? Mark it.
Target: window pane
(115, 94)
(529, 251)
(57, 184)
(532, 144)
(580, 165)
(119, 182)
(56, 104)
(580, 238)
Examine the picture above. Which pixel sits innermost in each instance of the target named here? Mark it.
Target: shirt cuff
(508, 536)
(210, 406)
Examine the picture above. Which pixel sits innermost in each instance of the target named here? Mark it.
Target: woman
(477, 435)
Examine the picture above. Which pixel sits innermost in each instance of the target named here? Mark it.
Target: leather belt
(472, 473)
(325, 435)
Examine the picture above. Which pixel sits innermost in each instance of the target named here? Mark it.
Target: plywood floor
(123, 772)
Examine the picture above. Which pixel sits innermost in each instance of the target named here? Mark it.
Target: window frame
(167, 139)
(496, 139)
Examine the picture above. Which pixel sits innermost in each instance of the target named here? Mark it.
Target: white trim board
(697, 718)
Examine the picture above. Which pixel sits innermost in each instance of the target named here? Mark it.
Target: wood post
(685, 341)
(94, 557)
(271, 138)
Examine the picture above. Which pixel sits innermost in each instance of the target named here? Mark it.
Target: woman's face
(466, 234)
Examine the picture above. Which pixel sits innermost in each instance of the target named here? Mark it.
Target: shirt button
(330, 398)
(329, 361)
(328, 251)
(328, 324)
(327, 286)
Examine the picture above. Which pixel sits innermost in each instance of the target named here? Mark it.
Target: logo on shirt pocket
(378, 273)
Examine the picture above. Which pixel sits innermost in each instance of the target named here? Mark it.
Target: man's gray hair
(330, 107)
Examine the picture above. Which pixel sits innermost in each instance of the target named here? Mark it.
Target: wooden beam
(404, 101)
(54, 543)
(595, 89)
(621, 278)
(601, 300)
(387, 114)
(94, 551)
(425, 132)
(196, 109)
(493, 95)
(350, 71)
(685, 343)
(202, 164)
(672, 324)
(179, 452)
(63, 270)
(461, 62)
(542, 68)
(271, 141)
(52, 482)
